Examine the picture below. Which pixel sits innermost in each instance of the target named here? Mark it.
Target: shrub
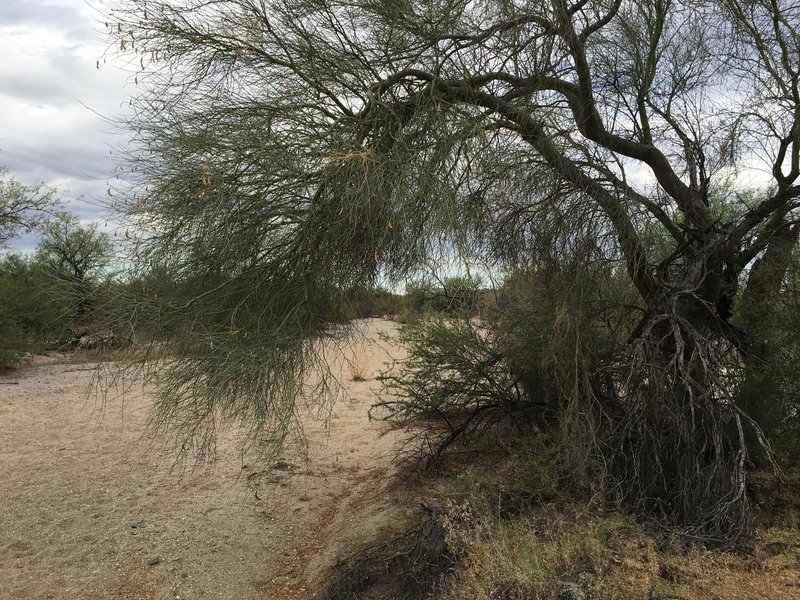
(32, 309)
(373, 302)
(454, 378)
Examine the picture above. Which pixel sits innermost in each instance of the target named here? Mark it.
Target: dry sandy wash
(89, 508)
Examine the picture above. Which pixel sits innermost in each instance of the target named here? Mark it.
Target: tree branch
(533, 133)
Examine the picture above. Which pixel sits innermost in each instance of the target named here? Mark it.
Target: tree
(21, 207)
(289, 150)
(76, 255)
(72, 250)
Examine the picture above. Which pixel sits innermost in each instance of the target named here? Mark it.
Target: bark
(760, 397)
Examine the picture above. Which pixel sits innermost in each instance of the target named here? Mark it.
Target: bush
(40, 310)
(454, 378)
(32, 308)
(364, 303)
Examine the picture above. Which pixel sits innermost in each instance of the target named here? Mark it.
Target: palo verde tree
(289, 149)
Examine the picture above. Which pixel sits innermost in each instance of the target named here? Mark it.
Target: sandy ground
(89, 508)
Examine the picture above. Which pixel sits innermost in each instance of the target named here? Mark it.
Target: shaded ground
(87, 504)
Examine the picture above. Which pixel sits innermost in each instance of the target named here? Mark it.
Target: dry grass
(357, 367)
(561, 549)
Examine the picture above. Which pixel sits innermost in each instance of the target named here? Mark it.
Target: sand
(93, 507)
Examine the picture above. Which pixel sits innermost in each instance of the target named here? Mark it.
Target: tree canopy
(71, 250)
(287, 151)
(21, 207)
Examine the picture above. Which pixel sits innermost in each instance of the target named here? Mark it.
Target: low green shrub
(455, 379)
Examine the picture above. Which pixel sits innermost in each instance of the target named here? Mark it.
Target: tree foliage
(26, 314)
(22, 207)
(71, 250)
(56, 297)
(75, 256)
(287, 151)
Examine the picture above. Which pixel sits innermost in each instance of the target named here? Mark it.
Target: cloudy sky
(55, 103)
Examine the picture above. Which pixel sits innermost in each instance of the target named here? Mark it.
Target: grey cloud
(62, 76)
(38, 91)
(60, 160)
(50, 15)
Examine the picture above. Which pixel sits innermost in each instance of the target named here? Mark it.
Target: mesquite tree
(289, 149)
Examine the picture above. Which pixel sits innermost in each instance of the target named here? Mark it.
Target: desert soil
(91, 506)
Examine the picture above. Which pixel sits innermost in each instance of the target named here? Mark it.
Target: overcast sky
(53, 100)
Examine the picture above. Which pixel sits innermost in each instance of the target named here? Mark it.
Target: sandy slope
(86, 503)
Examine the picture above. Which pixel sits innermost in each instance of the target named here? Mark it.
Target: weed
(358, 371)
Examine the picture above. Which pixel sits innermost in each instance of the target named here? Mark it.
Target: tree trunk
(674, 452)
(760, 396)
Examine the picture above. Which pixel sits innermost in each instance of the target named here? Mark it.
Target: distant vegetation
(61, 297)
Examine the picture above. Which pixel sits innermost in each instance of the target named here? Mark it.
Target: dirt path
(90, 509)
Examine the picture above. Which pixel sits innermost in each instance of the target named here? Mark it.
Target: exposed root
(679, 452)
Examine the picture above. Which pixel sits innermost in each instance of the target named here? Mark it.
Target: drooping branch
(534, 133)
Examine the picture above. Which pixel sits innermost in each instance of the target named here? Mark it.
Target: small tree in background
(76, 256)
(454, 294)
(24, 315)
(29, 314)
(56, 296)
(22, 208)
